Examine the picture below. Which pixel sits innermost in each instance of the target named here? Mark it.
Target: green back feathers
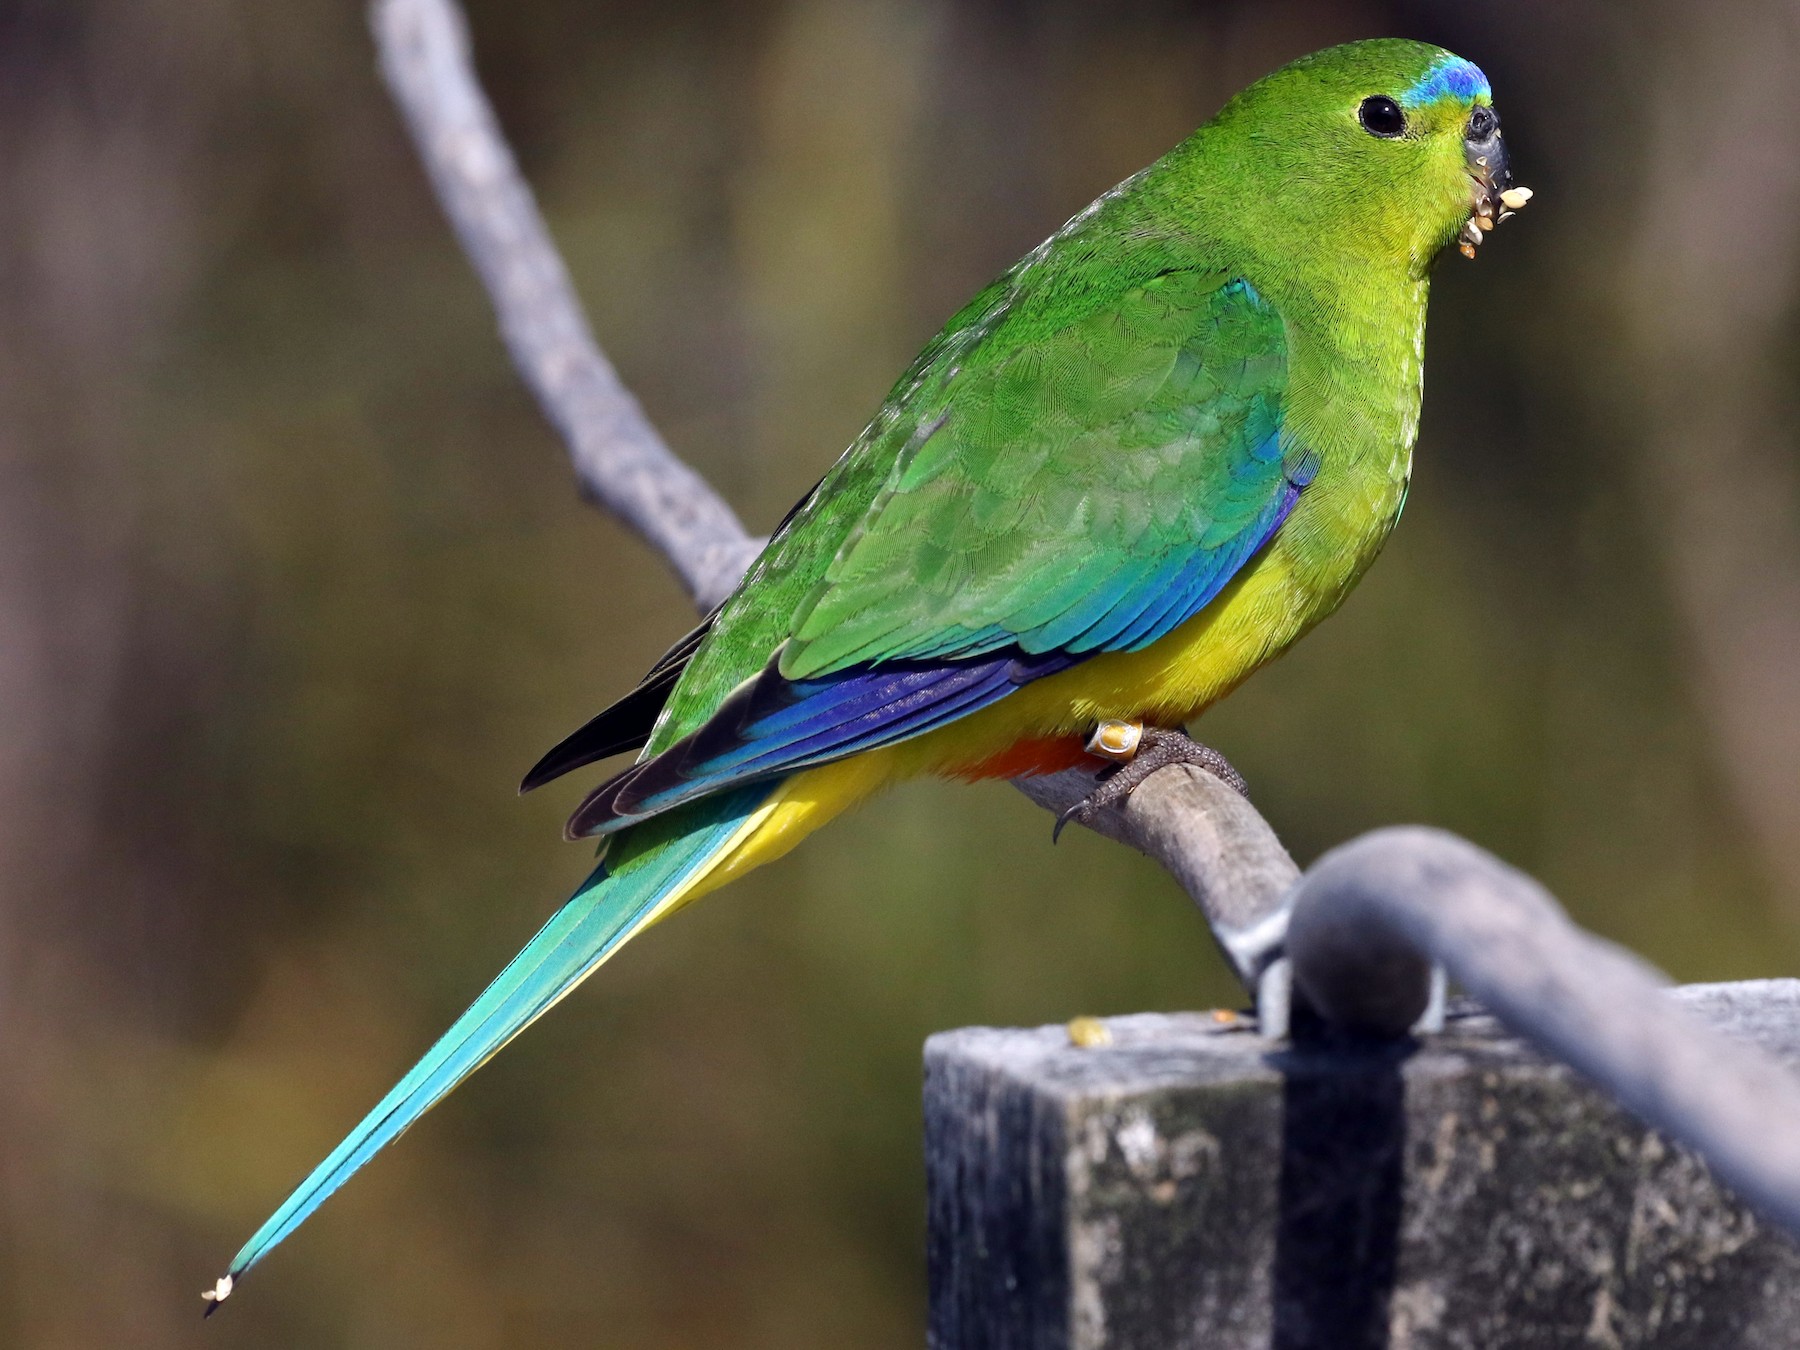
(1063, 484)
(1047, 395)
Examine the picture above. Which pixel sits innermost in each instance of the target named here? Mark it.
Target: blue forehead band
(1451, 77)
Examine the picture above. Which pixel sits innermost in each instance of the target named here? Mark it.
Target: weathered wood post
(1192, 1185)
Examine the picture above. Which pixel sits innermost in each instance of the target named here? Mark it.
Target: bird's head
(1389, 148)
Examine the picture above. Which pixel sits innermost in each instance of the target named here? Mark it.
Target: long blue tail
(649, 868)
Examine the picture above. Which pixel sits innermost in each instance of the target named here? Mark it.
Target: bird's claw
(1081, 810)
(1154, 748)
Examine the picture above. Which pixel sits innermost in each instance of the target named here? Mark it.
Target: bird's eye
(1381, 116)
(1483, 122)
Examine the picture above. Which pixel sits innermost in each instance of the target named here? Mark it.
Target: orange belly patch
(1033, 755)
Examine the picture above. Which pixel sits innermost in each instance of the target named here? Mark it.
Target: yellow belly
(1167, 683)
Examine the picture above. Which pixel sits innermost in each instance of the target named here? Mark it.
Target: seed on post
(1089, 1033)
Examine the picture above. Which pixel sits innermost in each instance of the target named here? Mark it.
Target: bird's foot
(1137, 751)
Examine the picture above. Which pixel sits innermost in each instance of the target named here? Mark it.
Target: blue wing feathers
(854, 712)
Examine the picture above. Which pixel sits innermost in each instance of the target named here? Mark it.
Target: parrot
(1129, 472)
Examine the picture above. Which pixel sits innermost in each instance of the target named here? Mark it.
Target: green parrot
(1129, 472)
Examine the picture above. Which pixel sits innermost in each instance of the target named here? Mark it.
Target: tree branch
(1359, 934)
(620, 460)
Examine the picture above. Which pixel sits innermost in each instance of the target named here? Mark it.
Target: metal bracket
(1275, 1001)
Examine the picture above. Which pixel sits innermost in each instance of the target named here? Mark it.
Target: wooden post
(1192, 1185)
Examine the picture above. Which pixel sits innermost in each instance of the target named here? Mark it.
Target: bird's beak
(1492, 196)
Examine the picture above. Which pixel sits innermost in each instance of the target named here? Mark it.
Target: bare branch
(1209, 837)
(620, 461)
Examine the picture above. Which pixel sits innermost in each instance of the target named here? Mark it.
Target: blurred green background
(294, 585)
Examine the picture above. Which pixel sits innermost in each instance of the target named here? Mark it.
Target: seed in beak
(1467, 250)
(1514, 198)
(1483, 223)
